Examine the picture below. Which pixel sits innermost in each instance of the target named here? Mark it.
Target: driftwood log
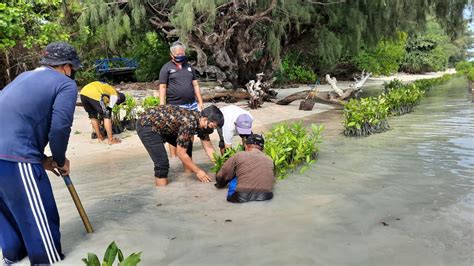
(220, 93)
(336, 96)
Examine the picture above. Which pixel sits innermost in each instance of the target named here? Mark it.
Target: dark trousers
(154, 144)
(29, 219)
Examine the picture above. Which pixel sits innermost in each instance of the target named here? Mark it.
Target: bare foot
(159, 182)
(114, 141)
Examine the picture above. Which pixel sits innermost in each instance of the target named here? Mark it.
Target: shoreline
(115, 185)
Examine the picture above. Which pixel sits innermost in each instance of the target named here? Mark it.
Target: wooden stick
(77, 202)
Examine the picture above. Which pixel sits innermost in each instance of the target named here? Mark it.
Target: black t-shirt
(180, 88)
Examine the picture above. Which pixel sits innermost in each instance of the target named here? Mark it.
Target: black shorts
(94, 108)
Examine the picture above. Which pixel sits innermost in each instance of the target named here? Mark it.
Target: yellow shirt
(96, 89)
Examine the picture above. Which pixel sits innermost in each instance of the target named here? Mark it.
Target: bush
(365, 116)
(402, 100)
(368, 116)
(151, 53)
(129, 106)
(109, 257)
(288, 145)
(219, 160)
(293, 72)
(150, 102)
(392, 85)
(463, 67)
(470, 74)
(385, 58)
(292, 145)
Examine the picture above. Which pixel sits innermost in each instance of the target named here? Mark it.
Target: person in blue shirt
(36, 108)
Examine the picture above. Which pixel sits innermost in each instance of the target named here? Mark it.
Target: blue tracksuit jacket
(37, 107)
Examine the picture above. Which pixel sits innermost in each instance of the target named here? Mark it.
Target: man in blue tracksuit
(35, 108)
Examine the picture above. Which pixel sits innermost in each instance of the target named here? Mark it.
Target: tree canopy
(233, 39)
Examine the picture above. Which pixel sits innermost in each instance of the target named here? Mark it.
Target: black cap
(60, 53)
(256, 139)
(120, 98)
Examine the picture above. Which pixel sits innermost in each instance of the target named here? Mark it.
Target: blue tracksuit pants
(29, 219)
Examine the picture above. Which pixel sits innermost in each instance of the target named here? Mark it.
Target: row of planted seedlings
(367, 116)
(124, 116)
(288, 145)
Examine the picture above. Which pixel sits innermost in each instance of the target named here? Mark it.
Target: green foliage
(365, 116)
(111, 253)
(470, 74)
(111, 22)
(393, 84)
(385, 58)
(292, 145)
(288, 146)
(219, 160)
(129, 106)
(402, 100)
(30, 24)
(463, 67)
(116, 118)
(368, 116)
(150, 102)
(294, 71)
(427, 84)
(428, 51)
(151, 53)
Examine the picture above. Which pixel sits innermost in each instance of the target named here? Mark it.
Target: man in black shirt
(178, 83)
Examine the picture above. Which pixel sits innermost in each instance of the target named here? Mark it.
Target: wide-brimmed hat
(60, 53)
(243, 124)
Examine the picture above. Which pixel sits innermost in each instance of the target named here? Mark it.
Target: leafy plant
(151, 53)
(116, 118)
(368, 116)
(129, 106)
(385, 58)
(150, 102)
(365, 116)
(288, 146)
(463, 67)
(219, 160)
(392, 85)
(111, 253)
(470, 74)
(294, 71)
(403, 100)
(292, 145)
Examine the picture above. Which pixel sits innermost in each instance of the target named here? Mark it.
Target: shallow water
(408, 194)
(404, 197)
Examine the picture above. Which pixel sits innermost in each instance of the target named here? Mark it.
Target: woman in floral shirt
(176, 125)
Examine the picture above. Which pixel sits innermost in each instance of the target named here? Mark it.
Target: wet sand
(331, 215)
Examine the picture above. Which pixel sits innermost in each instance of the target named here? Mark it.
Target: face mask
(73, 74)
(180, 58)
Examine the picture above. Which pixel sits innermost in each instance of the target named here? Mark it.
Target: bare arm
(163, 94)
(207, 145)
(188, 163)
(197, 92)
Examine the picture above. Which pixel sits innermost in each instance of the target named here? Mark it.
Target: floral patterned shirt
(176, 122)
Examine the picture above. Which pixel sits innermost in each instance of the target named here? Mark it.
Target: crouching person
(249, 173)
(177, 126)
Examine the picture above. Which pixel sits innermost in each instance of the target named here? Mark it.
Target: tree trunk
(219, 93)
(7, 66)
(337, 96)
